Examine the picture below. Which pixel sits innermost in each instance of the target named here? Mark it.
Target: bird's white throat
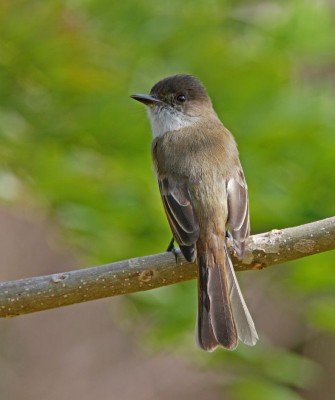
(163, 119)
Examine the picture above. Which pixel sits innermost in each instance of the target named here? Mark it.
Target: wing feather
(238, 211)
(181, 216)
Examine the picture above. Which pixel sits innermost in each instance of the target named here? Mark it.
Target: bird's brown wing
(238, 211)
(238, 219)
(181, 216)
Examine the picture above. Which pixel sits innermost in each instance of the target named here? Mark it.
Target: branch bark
(29, 295)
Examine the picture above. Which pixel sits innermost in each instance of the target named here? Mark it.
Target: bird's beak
(146, 99)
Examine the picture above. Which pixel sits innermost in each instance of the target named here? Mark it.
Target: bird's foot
(173, 250)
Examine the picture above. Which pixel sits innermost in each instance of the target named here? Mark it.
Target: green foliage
(258, 389)
(73, 142)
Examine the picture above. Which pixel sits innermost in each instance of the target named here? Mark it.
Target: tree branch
(29, 295)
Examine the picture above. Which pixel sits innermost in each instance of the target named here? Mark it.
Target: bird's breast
(196, 153)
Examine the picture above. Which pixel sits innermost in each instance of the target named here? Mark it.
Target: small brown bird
(204, 192)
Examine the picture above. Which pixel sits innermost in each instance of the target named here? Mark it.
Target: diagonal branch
(29, 295)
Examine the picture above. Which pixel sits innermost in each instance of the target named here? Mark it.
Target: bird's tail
(223, 317)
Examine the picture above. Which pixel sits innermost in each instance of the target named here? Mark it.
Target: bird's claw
(173, 250)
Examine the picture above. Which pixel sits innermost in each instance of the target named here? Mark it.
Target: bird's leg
(173, 250)
(171, 245)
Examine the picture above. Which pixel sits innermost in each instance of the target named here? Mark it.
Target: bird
(205, 198)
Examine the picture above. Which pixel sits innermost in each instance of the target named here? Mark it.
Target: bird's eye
(181, 98)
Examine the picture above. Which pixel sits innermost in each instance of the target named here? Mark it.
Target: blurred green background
(73, 144)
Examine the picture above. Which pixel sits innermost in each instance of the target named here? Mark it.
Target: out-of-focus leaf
(321, 313)
(258, 389)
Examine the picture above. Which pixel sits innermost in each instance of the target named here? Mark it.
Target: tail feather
(223, 316)
(244, 324)
(204, 335)
(215, 317)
